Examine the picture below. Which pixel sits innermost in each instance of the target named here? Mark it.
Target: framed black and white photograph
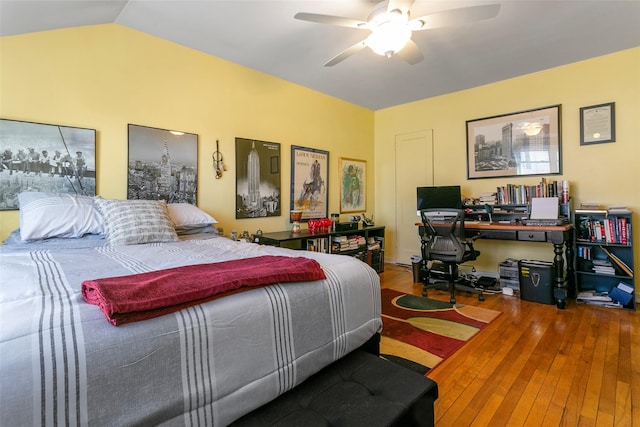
(163, 165)
(309, 175)
(47, 158)
(598, 124)
(515, 144)
(353, 183)
(257, 179)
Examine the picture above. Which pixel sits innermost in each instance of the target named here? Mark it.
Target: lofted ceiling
(526, 36)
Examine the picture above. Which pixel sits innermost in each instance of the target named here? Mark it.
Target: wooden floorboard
(536, 365)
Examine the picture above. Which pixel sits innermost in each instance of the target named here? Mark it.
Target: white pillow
(186, 216)
(132, 222)
(45, 215)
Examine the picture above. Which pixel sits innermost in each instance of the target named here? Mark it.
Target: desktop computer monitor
(444, 196)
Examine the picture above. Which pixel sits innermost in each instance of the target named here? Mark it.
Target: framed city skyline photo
(353, 185)
(309, 177)
(515, 144)
(47, 158)
(163, 165)
(257, 179)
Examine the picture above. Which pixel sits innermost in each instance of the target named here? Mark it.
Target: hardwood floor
(537, 365)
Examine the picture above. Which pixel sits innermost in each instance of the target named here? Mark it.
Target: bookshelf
(604, 270)
(364, 243)
(512, 202)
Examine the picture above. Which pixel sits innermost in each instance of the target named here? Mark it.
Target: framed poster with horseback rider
(309, 176)
(45, 158)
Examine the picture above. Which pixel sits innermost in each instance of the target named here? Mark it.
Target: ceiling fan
(391, 27)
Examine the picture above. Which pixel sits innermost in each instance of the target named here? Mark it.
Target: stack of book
(354, 242)
(373, 244)
(487, 199)
(603, 266)
(344, 243)
(597, 298)
(340, 243)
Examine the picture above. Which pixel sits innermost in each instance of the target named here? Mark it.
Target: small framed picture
(353, 194)
(597, 124)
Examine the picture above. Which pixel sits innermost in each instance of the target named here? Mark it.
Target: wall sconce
(218, 164)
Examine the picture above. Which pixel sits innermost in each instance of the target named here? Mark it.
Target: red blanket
(143, 296)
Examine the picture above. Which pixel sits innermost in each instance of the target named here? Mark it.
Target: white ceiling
(525, 37)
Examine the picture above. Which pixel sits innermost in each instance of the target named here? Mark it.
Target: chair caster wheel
(480, 297)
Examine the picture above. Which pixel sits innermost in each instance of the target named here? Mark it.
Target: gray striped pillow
(132, 222)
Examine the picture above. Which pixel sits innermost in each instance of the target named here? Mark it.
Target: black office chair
(442, 239)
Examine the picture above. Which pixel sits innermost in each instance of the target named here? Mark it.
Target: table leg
(560, 290)
(570, 277)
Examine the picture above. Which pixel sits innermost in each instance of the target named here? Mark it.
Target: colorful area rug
(421, 332)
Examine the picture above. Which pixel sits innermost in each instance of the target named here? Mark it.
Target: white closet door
(414, 168)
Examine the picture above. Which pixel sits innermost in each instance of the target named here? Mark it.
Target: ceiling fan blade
(411, 53)
(452, 17)
(401, 5)
(331, 20)
(346, 53)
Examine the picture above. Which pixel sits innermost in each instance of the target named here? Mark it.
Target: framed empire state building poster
(257, 179)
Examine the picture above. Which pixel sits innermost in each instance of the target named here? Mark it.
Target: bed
(63, 362)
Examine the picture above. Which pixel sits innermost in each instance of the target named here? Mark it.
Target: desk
(560, 236)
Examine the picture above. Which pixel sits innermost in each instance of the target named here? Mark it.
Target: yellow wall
(107, 76)
(606, 173)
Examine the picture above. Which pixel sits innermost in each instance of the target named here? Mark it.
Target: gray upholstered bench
(357, 390)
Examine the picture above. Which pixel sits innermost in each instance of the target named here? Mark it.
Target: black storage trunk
(536, 281)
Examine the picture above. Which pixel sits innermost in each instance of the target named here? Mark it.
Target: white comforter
(61, 362)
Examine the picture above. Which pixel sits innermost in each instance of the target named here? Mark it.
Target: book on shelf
(596, 211)
(591, 208)
(518, 194)
(591, 205)
(619, 210)
(623, 266)
(609, 230)
(593, 296)
(603, 266)
(622, 293)
(487, 199)
(597, 298)
(317, 245)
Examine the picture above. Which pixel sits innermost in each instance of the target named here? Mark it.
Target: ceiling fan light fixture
(388, 38)
(416, 24)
